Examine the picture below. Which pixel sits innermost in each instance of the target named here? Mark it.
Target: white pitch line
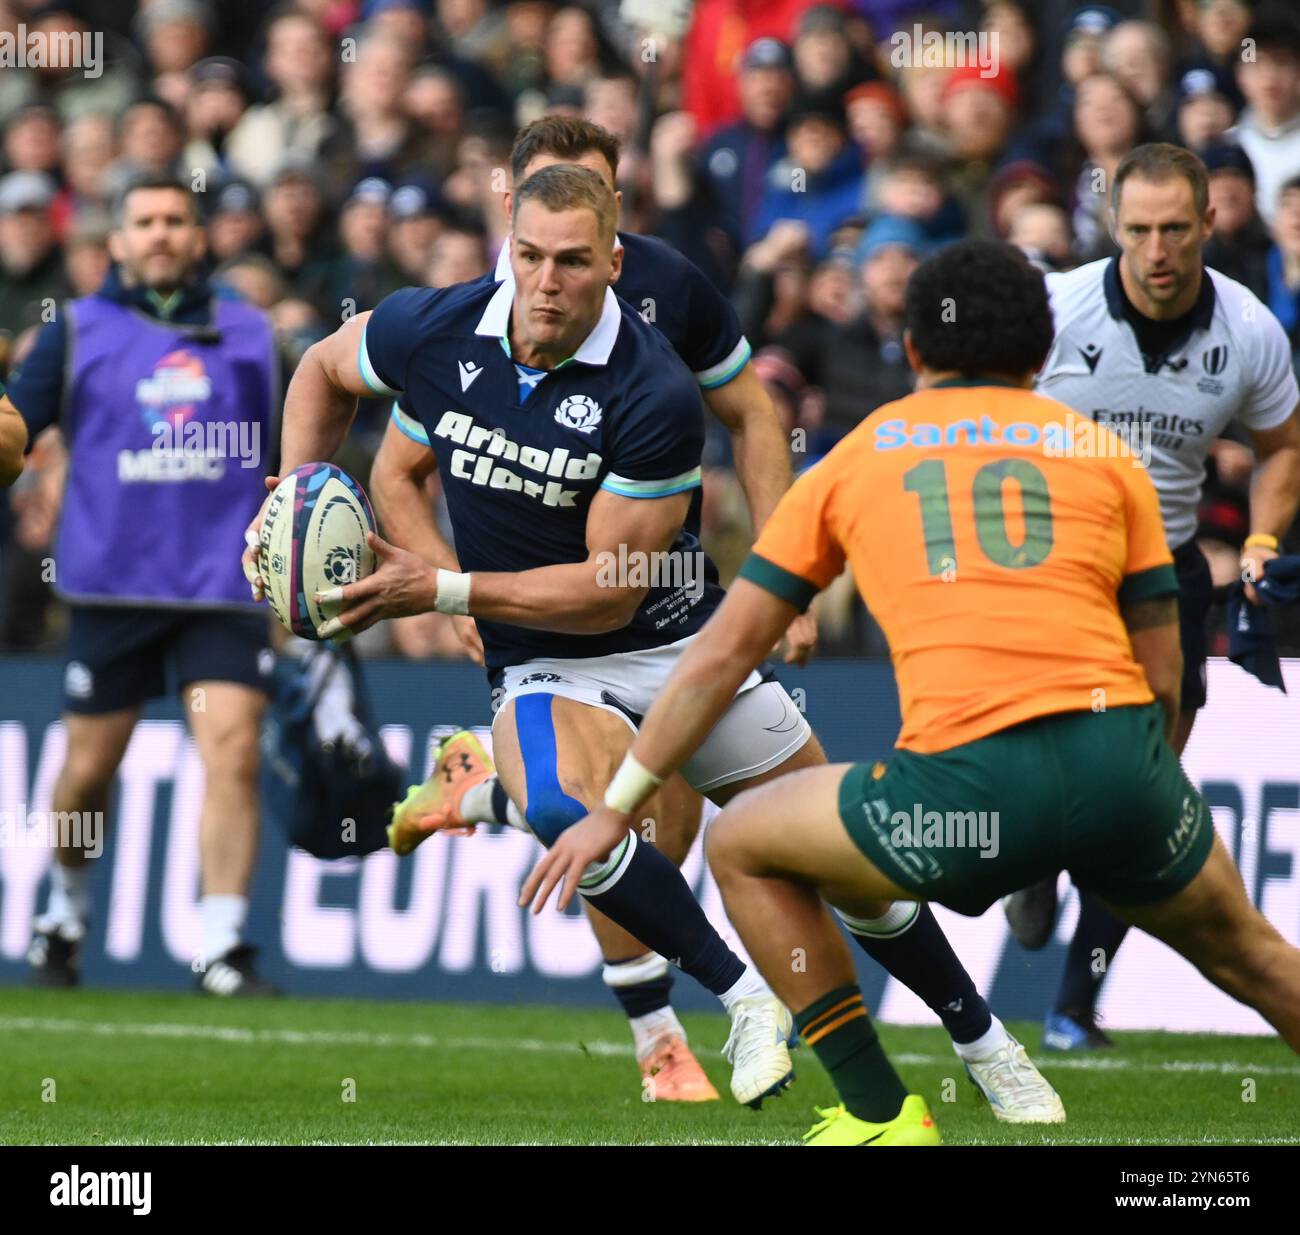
(302, 1037)
(331, 1037)
(1092, 1063)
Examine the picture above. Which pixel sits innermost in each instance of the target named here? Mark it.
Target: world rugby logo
(578, 412)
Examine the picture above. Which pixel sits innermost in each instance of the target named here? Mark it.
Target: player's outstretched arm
(579, 598)
(322, 397)
(399, 489)
(761, 452)
(13, 441)
(587, 597)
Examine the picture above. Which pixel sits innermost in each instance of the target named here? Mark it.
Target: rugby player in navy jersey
(567, 434)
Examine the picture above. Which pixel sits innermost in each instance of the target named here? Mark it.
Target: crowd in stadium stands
(344, 148)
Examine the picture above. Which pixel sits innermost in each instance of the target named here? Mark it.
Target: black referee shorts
(1195, 596)
(118, 657)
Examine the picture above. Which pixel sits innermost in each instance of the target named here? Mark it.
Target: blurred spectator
(686, 215)
(377, 138)
(861, 363)
(734, 163)
(720, 31)
(1084, 38)
(1012, 22)
(610, 100)
(1284, 264)
(89, 151)
(912, 186)
(771, 294)
(1240, 243)
(254, 277)
(482, 175)
(922, 88)
(1219, 27)
(174, 33)
(572, 50)
(1138, 55)
(150, 138)
(471, 29)
(819, 182)
(297, 327)
(403, 21)
(877, 119)
(1107, 125)
(826, 61)
(362, 274)
(1205, 110)
(217, 99)
(433, 99)
(978, 116)
(86, 262)
(1015, 186)
(31, 140)
(1048, 135)
(1041, 230)
(63, 85)
(235, 225)
(413, 229)
(832, 289)
(458, 256)
(1269, 129)
(294, 208)
(300, 67)
(31, 266)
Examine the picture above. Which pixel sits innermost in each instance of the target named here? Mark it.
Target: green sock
(842, 1036)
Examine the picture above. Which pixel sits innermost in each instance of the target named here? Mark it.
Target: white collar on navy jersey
(595, 349)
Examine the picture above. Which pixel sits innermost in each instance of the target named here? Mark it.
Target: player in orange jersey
(1015, 558)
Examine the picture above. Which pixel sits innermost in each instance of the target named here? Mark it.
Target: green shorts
(1099, 794)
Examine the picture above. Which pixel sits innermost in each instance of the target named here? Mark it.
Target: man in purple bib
(166, 395)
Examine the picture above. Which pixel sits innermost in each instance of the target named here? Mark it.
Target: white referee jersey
(1235, 363)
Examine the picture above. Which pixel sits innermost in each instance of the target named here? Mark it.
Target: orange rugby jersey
(992, 533)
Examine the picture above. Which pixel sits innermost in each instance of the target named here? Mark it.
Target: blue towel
(1252, 640)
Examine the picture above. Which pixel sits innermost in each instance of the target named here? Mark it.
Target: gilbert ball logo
(579, 412)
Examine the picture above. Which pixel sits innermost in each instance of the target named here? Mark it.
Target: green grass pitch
(133, 1068)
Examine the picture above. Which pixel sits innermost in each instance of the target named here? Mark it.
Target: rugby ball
(313, 538)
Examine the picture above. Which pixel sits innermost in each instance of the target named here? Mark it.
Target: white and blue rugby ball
(314, 538)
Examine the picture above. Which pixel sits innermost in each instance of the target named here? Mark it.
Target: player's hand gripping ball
(313, 539)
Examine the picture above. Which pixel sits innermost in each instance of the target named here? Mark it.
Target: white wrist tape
(631, 785)
(453, 593)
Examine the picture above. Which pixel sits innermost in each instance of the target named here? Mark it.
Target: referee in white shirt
(1156, 345)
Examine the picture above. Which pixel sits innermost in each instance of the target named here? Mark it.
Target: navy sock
(640, 998)
(1098, 931)
(647, 896)
(919, 955)
(500, 803)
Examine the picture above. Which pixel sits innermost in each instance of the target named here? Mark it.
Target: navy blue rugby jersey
(521, 452)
